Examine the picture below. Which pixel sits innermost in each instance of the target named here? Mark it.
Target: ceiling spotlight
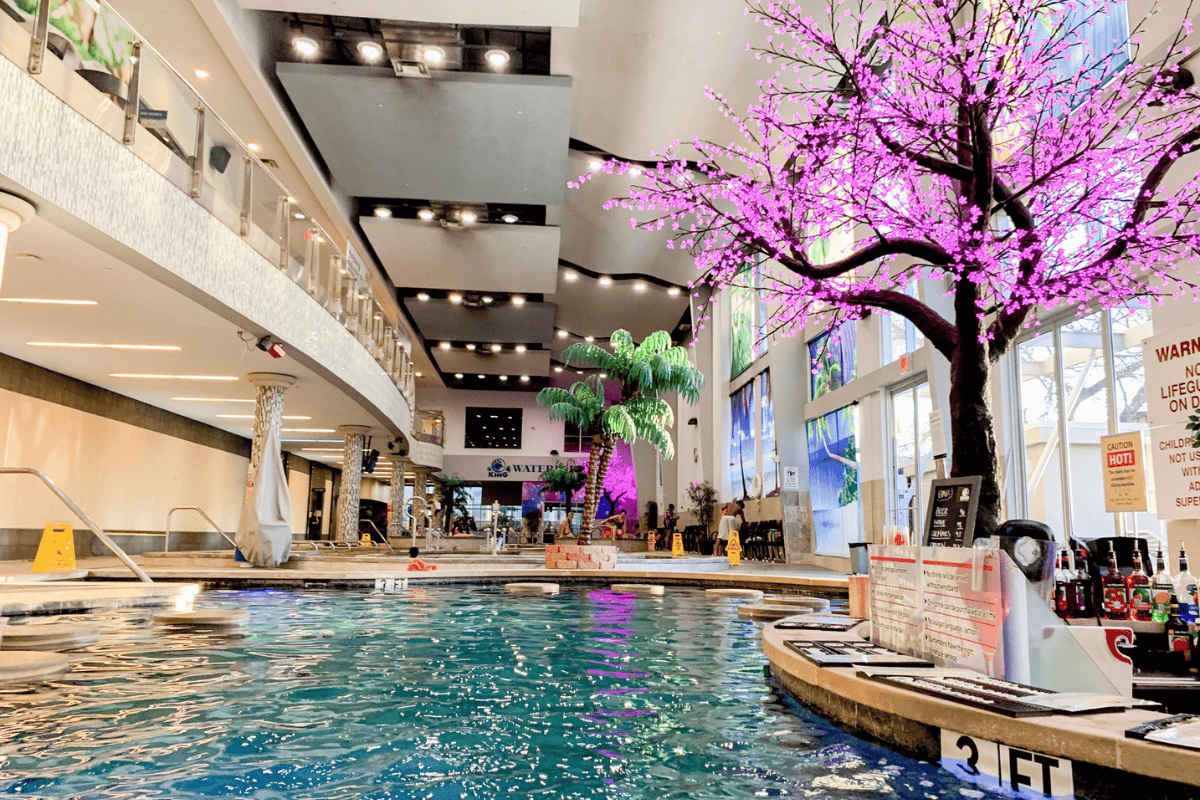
(595, 164)
(497, 58)
(254, 148)
(509, 218)
(518, 300)
(444, 345)
(605, 280)
(503, 377)
(423, 296)
(520, 348)
(496, 348)
(487, 298)
(371, 51)
(455, 298)
(673, 291)
(468, 217)
(471, 346)
(524, 379)
(571, 276)
(383, 212)
(201, 74)
(305, 46)
(458, 375)
(558, 369)
(640, 286)
(589, 338)
(481, 376)
(298, 215)
(419, 375)
(426, 214)
(290, 199)
(562, 334)
(434, 54)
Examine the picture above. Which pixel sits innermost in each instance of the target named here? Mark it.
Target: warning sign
(1123, 462)
(56, 551)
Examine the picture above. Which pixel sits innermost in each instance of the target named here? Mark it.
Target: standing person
(729, 522)
(670, 521)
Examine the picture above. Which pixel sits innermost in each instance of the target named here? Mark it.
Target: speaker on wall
(218, 158)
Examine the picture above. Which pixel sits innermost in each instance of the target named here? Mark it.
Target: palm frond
(622, 343)
(616, 421)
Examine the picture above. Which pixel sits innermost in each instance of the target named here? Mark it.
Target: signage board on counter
(953, 505)
(1123, 462)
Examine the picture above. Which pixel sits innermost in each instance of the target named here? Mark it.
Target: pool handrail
(92, 526)
(200, 511)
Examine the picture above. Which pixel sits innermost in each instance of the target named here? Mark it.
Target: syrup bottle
(1161, 589)
(1138, 585)
(1086, 594)
(1115, 594)
(1185, 590)
(1179, 638)
(1063, 587)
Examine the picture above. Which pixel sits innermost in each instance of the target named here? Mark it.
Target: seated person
(564, 528)
(617, 523)
(417, 565)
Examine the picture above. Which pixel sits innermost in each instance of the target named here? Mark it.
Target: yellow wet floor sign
(57, 550)
(677, 544)
(734, 549)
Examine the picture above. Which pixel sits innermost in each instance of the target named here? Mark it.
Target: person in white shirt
(729, 522)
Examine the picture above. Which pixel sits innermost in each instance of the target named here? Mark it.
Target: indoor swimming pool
(440, 694)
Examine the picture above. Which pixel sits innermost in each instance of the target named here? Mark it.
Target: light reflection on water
(436, 693)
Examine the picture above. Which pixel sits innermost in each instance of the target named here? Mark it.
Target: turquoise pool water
(438, 694)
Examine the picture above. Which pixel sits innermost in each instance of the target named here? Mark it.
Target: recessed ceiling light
(520, 348)
(423, 296)
(471, 346)
(93, 346)
(497, 58)
(426, 214)
(518, 300)
(496, 348)
(418, 374)
(481, 376)
(290, 199)
(558, 369)
(640, 286)
(47, 302)
(562, 334)
(251, 416)
(524, 379)
(172, 377)
(434, 54)
(213, 400)
(487, 298)
(444, 345)
(635, 172)
(254, 148)
(503, 377)
(578, 372)
(458, 375)
(298, 215)
(308, 430)
(383, 212)
(571, 276)
(201, 74)
(305, 46)
(468, 217)
(509, 218)
(595, 164)
(673, 291)
(455, 298)
(371, 51)
(589, 338)
(605, 280)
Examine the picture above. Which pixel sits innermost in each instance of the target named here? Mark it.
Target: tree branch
(941, 333)
(878, 249)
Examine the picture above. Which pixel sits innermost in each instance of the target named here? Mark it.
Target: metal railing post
(198, 154)
(133, 100)
(37, 45)
(200, 511)
(285, 233)
(247, 197)
(92, 526)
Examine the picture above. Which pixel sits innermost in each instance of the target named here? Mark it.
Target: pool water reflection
(438, 693)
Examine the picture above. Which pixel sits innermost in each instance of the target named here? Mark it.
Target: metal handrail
(92, 526)
(200, 511)
(384, 543)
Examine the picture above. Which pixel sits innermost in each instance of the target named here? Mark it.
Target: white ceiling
(484, 258)
(135, 309)
(526, 13)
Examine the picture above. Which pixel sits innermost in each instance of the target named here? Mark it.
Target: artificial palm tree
(565, 478)
(451, 494)
(644, 371)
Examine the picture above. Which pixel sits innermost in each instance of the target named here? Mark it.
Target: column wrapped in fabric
(264, 534)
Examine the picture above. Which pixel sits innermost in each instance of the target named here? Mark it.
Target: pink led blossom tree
(981, 145)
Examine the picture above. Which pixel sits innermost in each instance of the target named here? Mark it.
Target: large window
(493, 429)
(770, 457)
(742, 456)
(574, 439)
(912, 457)
(833, 360)
(833, 481)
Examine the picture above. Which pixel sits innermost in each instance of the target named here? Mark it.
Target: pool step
(800, 603)
(531, 588)
(651, 589)
(202, 618)
(49, 636)
(768, 613)
(28, 667)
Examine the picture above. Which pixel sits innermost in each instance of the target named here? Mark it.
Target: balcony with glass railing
(137, 98)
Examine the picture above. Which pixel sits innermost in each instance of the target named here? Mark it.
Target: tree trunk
(971, 429)
(591, 495)
(602, 471)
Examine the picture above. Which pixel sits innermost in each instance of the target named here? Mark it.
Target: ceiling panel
(483, 258)
(462, 137)
(532, 362)
(525, 13)
(587, 309)
(441, 320)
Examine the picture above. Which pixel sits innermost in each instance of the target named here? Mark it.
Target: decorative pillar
(348, 495)
(268, 415)
(14, 212)
(395, 527)
(421, 490)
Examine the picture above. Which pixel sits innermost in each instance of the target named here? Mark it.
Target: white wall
(125, 477)
(539, 434)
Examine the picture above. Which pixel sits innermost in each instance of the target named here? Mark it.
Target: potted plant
(704, 503)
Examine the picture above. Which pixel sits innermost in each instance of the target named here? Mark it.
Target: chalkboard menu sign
(953, 504)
